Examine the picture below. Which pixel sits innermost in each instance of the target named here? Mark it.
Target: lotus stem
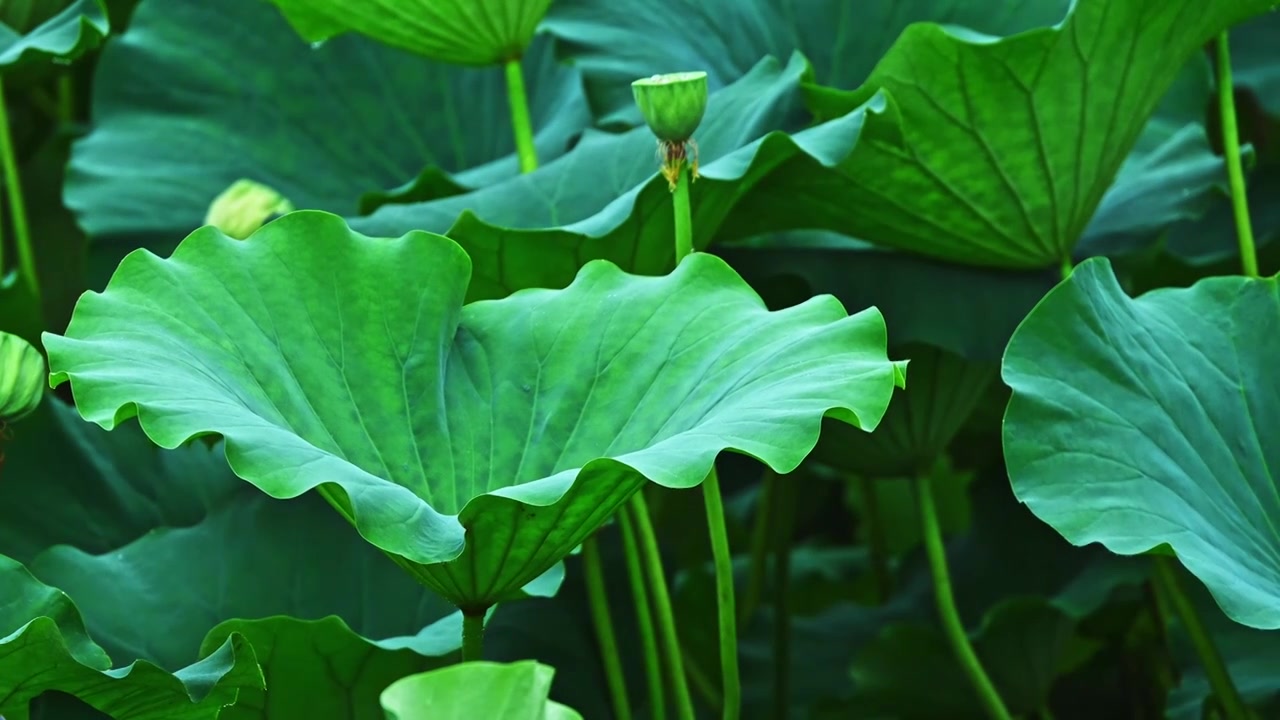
(1231, 154)
(18, 208)
(520, 123)
(598, 599)
(783, 528)
(946, 603)
(760, 532)
(878, 543)
(648, 543)
(683, 214)
(644, 619)
(1166, 576)
(472, 635)
(729, 679)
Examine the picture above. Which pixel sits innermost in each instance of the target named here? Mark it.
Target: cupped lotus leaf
(22, 378)
(478, 444)
(1139, 422)
(515, 691)
(50, 31)
(463, 32)
(44, 646)
(920, 423)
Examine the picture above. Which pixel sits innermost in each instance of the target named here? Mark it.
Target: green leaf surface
(1254, 63)
(522, 422)
(318, 669)
(44, 646)
(476, 689)
(208, 104)
(251, 558)
(617, 41)
(77, 29)
(998, 151)
(465, 32)
(1137, 422)
(69, 482)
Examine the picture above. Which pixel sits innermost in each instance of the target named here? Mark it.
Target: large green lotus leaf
(726, 38)
(477, 689)
(465, 32)
(66, 481)
(1137, 422)
(915, 431)
(44, 647)
(318, 669)
(57, 37)
(296, 559)
(998, 151)
(208, 103)
(968, 311)
(479, 444)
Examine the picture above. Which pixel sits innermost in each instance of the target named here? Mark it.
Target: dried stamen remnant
(673, 156)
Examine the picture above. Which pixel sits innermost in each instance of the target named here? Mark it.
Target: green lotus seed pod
(23, 377)
(463, 32)
(244, 207)
(672, 104)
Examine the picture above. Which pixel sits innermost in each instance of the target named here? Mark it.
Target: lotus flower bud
(672, 104)
(23, 378)
(244, 207)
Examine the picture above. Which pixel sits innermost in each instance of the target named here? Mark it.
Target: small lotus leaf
(22, 378)
(517, 691)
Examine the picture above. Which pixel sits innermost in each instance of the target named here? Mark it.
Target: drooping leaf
(466, 32)
(476, 689)
(726, 38)
(59, 36)
(998, 151)
(45, 647)
(920, 422)
(507, 430)
(1137, 422)
(251, 558)
(319, 669)
(209, 104)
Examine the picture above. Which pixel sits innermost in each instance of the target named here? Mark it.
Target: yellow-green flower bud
(244, 207)
(23, 378)
(672, 104)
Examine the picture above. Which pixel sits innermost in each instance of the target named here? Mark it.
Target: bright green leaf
(998, 151)
(517, 691)
(44, 647)
(1137, 422)
(465, 32)
(522, 422)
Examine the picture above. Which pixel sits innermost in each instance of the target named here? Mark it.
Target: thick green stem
(472, 635)
(683, 213)
(1215, 669)
(598, 600)
(666, 619)
(760, 533)
(729, 679)
(947, 612)
(17, 207)
(1231, 154)
(520, 123)
(644, 618)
